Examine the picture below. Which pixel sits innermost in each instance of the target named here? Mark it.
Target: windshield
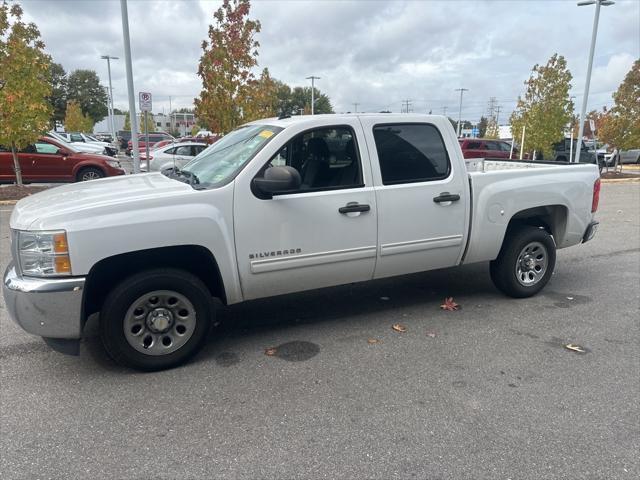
(64, 141)
(93, 139)
(220, 162)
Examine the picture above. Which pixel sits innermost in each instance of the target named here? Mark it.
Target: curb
(620, 180)
(8, 202)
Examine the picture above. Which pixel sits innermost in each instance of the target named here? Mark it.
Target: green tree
(84, 87)
(75, 120)
(301, 99)
(546, 108)
(482, 126)
(621, 124)
(58, 97)
(24, 82)
(127, 122)
(225, 66)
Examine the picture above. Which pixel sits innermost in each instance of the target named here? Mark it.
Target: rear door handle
(352, 207)
(446, 197)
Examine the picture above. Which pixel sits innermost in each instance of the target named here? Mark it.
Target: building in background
(180, 123)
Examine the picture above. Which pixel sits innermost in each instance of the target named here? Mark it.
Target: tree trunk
(16, 164)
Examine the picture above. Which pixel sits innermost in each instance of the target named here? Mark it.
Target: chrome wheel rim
(532, 264)
(90, 175)
(159, 322)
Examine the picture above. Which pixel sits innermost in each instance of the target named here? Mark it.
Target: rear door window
(411, 153)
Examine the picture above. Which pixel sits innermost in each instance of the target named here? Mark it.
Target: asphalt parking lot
(489, 391)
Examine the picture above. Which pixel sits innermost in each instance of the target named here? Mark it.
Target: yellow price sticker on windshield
(265, 134)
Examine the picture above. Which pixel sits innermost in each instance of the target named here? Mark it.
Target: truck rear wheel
(156, 319)
(525, 262)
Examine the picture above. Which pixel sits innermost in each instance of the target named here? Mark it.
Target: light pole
(585, 97)
(112, 122)
(461, 90)
(313, 92)
(133, 118)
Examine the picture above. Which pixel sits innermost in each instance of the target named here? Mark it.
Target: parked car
(154, 138)
(562, 153)
(280, 206)
(79, 137)
(486, 148)
(209, 139)
(50, 161)
(175, 155)
(104, 137)
(81, 147)
(630, 156)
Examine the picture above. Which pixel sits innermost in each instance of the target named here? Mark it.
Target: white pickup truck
(280, 206)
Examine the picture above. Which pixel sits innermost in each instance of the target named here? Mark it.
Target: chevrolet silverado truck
(280, 206)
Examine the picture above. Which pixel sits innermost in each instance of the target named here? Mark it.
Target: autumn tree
(84, 87)
(24, 83)
(621, 124)
(301, 99)
(151, 125)
(229, 54)
(492, 129)
(75, 120)
(546, 108)
(262, 98)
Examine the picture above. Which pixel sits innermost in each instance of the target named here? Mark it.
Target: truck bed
(487, 164)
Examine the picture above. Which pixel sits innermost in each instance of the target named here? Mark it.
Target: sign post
(145, 106)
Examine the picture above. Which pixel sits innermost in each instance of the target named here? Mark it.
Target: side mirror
(276, 180)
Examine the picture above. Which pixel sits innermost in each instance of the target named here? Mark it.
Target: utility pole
(461, 90)
(492, 106)
(170, 117)
(112, 122)
(313, 93)
(444, 111)
(355, 106)
(406, 104)
(585, 97)
(133, 118)
(498, 108)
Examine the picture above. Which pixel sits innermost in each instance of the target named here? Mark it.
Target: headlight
(43, 254)
(114, 163)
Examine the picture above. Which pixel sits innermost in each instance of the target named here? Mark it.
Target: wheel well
(87, 167)
(553, 218)
(109, 271)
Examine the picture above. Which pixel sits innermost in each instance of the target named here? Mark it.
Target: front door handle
(446, 197)
(352, 207)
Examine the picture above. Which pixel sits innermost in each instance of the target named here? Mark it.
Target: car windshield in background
(220, 162)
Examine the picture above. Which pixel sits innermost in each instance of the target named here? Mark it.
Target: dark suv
(562, 152)
(486, 148)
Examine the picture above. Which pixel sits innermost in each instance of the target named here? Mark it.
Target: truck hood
(58, 207)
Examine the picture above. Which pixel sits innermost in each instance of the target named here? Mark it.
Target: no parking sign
(144, 99)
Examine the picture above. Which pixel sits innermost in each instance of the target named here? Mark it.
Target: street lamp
(585, 97)
(112, 123)
(461, 90)
(313, 93)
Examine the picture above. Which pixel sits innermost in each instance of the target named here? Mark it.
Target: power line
(406, 104)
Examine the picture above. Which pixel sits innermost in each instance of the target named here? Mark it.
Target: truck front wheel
(525, 262)
(156, 319)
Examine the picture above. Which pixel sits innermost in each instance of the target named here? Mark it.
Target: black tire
(89, 173)
(504, 269)
(119, 302)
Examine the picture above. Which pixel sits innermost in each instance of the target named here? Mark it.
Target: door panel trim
(312, 259)
(418, 245)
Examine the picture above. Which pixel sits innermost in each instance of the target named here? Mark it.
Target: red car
(486, 148)
(49, 161)
(154, 138)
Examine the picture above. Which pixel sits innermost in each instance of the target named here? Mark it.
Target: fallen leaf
(271, 351)
(575, 348)
(449, 305)
(399, 328)
(431, 334)
(373, 341)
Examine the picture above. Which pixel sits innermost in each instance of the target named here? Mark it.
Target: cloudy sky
(374, 53)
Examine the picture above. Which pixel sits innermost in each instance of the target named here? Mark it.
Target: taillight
(596, 196)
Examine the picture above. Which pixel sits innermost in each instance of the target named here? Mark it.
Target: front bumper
(49, 307)
(590, 232)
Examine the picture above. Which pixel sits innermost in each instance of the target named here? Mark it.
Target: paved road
(493, 395)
